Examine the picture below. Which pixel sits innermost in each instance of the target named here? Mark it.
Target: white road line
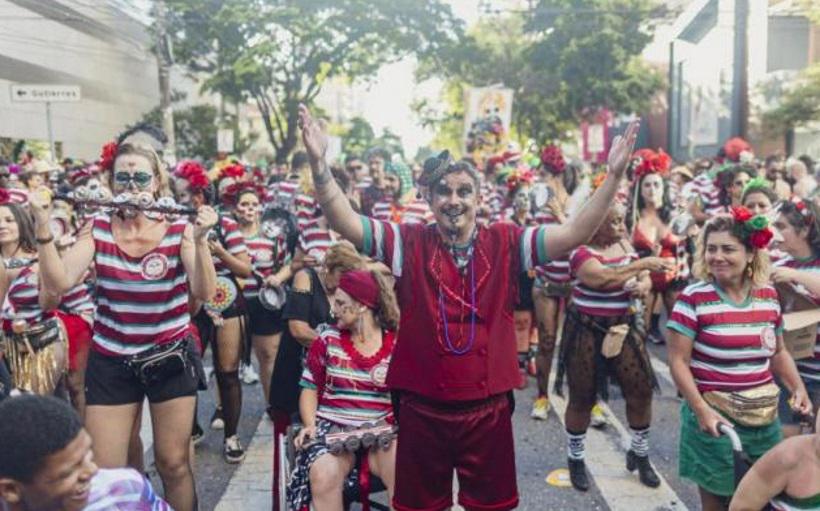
(250, 486)
(606, 463)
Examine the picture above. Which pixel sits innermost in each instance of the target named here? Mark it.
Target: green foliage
(565, 60)
(798, 106)
(278, 53)
(358, 138)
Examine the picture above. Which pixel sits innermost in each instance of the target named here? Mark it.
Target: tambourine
(272, 298)
(225, 296)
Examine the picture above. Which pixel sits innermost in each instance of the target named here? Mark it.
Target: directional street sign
(39, 93)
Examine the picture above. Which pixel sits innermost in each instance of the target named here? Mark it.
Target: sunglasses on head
(140, 178)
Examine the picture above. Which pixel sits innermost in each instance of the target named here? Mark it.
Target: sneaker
(598, 418)
(540, 408)
(655, 337)
(197, 434)
(217, 421)
(233, 451)
(249, 375)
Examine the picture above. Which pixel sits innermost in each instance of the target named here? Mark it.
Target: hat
(684, 171)
(404, 174)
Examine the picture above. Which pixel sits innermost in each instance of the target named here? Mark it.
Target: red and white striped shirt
(809, 368)
(557, 270)
(141, 301)
(267, 256)
(599, 302)
(314, 240)
(353, 387)
(234, 242)
(22, 300)
(733, 342)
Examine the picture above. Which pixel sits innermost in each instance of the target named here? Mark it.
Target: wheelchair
(287, 458)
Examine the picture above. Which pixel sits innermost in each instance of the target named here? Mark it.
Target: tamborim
(272, 298)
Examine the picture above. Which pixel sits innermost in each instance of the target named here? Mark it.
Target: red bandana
(361, 286)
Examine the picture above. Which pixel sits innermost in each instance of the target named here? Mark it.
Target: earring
(749, 270)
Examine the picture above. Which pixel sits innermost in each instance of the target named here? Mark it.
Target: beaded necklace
(462, 256)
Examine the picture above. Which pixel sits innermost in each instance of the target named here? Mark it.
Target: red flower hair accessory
(754, 229)
(109, 152)
(800, 206)
(735, 147)
(519, 177)
(233, 170)
(553, 159)
(194, 173)
(647, 161)
(233, 191)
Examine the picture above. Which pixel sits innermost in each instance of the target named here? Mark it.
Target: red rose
(109, 152)
(760, 239)
(741, 214)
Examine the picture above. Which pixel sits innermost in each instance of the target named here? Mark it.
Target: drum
(224, 297)
(272, 298)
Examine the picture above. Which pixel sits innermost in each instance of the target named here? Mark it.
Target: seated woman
(787, 477)
(343, 384)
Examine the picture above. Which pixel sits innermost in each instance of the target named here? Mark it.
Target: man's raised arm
(335, 205)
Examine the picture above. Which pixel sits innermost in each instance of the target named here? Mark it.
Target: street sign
(28, 93)
(224, 140)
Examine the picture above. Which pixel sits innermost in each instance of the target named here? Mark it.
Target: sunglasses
(140, 178)
(354, 168)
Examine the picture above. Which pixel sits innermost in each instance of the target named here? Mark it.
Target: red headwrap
(361, 286)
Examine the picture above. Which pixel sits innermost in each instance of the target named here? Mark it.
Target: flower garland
(553, 159)
(754, 229)
(647, 161)
(194, 173)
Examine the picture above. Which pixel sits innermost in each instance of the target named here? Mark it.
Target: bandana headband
(362, 287)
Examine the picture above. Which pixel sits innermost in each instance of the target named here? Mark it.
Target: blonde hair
(759, 265)
(157, 166)
(388, 312)
(344, 257)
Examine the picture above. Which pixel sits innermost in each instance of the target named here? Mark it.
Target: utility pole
(165, 60)
(740, 85)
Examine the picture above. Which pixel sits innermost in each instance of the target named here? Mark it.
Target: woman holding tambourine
(263, 291)
(221, 319)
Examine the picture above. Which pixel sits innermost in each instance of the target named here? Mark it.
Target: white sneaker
(233, 451)
(249, 375)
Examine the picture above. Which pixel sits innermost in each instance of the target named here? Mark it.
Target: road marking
(250, 485)
(606, 463)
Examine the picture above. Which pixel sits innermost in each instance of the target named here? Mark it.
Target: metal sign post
(47, 94)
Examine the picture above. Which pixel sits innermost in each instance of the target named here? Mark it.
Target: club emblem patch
(768, 339)
(378, 374)
(154, 266)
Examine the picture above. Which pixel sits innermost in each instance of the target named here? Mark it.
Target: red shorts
(475, 439)
(79, 338)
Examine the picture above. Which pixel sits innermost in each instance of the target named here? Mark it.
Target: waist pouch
(38, 337)
(755, 407)
(160, 362)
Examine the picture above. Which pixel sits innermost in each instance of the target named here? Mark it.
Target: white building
(101, 45)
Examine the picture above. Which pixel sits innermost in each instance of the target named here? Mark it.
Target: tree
(798, 106)
(358, 138)
(565, 60)
(391, 142)
(278, 53)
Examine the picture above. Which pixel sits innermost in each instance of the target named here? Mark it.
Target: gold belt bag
(754, 408)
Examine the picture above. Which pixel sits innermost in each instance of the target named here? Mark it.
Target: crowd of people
(371, 291)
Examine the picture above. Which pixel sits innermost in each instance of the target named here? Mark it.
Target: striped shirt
(141, 301)
(599, 302)
(414, 212)
(709, 194)
(732, 342)
(290, 196)
(353, 389)
(23, 300)
(234, 242)
(123, 489)
(809, 368)
(267, 257)
(557, 270)
(314, 240)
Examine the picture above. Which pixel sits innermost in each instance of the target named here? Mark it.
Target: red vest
(421, 362)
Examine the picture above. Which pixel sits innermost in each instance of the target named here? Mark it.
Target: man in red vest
(455, 362)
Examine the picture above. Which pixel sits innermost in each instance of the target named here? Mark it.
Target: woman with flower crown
(725, 348)
(650, 223)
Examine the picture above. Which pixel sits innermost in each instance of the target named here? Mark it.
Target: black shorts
(525, 301)
(264, 321)
(110, 381)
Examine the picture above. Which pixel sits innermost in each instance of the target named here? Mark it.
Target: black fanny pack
(39, 336)
(160, 362)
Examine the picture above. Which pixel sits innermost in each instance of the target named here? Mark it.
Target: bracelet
(44, 241)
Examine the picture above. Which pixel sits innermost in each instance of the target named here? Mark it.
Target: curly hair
(343, 256)
(801, 222)
(388, 310)
(724, 223)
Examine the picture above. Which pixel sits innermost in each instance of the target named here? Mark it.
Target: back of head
(33, 428)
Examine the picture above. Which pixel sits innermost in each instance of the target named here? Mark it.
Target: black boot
(578, 474)
(655, 335)
(645, 471)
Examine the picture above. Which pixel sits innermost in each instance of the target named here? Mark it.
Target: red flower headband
(553, 159)
(647, 161)
(804, 210)
(233, 170)
(519, 177)
(233, 191)
(194, 173)
(107, 155)
(754, 229)
(734, 147)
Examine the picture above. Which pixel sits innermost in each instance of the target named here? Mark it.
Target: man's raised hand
(313, 135)
(621, 151)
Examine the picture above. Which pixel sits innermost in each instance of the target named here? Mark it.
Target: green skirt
(709, 462)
